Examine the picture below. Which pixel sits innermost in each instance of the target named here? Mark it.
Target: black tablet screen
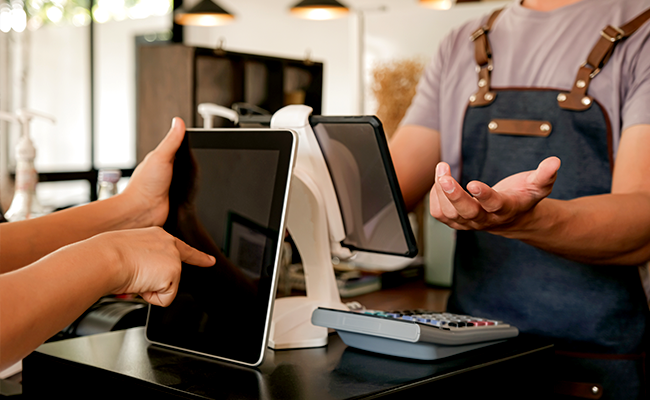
(371, 203)
(227, 198)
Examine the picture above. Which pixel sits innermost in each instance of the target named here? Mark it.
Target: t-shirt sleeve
(636, 100)
(424, 108)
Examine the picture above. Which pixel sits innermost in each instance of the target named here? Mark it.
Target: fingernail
(441, 170)
(447, 185)
(174, 122)
(475, 191)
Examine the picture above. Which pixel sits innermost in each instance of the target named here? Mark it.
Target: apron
(596, 315)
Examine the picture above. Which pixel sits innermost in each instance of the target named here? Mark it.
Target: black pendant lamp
(204, 13)
(319, 9)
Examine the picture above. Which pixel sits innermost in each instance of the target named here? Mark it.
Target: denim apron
(596, 315)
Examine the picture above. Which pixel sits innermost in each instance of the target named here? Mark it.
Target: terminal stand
(315, 224)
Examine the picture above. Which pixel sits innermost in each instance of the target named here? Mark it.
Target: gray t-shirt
(543, 50)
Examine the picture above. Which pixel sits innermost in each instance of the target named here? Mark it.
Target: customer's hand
(148, 188)
(147, 262)
(497, 208)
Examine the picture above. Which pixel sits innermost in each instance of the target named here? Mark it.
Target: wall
(402, 30)
(59, 71)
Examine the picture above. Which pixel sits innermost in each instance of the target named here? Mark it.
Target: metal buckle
(618, 37)
(478, 33)
(594, 72)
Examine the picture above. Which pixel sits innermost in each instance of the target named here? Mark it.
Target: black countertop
(124, 362)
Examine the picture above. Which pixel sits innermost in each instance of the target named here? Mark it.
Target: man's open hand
(495, 208)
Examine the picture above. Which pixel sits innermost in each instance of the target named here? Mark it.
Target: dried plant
(393, 87)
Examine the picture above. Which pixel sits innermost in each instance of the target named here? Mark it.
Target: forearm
(41, 299)
(415, 151)
(605, 229)
(24, 242)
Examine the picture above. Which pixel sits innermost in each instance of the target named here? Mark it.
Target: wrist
(134, 212)
(97, 260)
(529, 225)
(111, 261)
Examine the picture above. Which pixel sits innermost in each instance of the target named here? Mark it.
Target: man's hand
(148, 262)
(497, 208)
(148, 187)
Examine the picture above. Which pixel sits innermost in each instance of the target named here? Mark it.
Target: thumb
(172, 141)
(546, 172)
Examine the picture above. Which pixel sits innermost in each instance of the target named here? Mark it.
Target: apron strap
(577, 99)
(483, 56)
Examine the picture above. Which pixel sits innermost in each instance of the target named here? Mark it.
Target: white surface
(378, 262)
(311, 161)
(314, 221)
(11, 371)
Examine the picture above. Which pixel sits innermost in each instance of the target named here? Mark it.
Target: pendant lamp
(319, 9)
(204, 13)
(438, 4)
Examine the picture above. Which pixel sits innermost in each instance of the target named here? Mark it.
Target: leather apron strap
(577, 99)
(483, 56)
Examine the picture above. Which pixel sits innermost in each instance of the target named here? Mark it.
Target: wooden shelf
(173, 79)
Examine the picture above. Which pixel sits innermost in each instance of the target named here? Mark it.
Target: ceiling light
(319, 9)
(438, 4)
(204, 13)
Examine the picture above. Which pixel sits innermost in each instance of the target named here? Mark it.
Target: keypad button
(443, 320)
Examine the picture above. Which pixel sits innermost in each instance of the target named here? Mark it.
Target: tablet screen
(371, 203)
(227, 198)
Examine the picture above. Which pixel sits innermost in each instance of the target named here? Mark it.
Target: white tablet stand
(315, 224)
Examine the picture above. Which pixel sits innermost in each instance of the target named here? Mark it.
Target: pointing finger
(192, 256)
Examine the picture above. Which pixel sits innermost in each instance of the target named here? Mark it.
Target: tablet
(373, 210)
(228, 198)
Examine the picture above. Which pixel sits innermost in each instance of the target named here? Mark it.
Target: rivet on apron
(545, 127)
(492, 125)
(581, 84)
(482, 83)
(472, 98)
(586, 100)
(488, 96)
(595, 390)
(561, 97)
